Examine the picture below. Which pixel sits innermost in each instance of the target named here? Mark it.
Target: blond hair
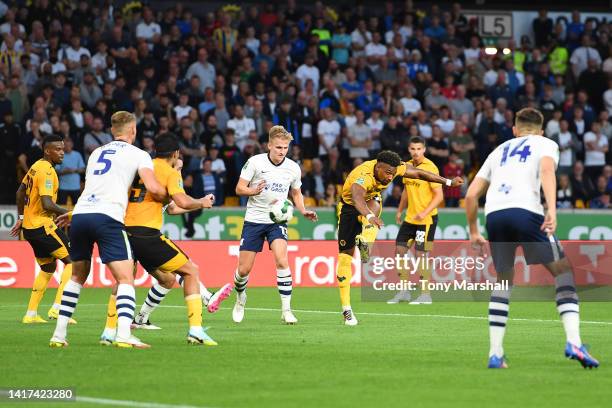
(120, 120)
(279, 132)
(529, 119)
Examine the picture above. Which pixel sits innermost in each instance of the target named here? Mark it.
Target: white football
(281, 211)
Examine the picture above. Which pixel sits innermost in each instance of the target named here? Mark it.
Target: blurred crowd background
(346, 81)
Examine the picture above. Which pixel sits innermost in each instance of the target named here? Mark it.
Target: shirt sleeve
(175, 183)
(145, 161)
(44, 181)
(485, 170)
(553, 152)
(366, 181)
(297, 180)
(401, 170)
(248, 170)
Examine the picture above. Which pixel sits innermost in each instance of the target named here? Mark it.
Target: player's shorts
(254, 234)
(48, 244)
(421, 235)
(513, 227)
(349, 225)
(89, 229)
(154, 251)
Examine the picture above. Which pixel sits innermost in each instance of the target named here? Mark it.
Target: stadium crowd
(345, 81)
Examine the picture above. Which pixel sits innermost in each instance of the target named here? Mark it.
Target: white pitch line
(438, 316)
(127, 403)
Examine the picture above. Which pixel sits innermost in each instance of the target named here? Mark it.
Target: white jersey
(513, 173)
(279, 179)
(111, 170)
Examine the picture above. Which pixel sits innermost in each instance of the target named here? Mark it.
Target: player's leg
(191, 288)
(47, 268)
(502, 239)
(82, 239)
(246, 260)
(424, 238)
(62, 254)
(157, 292)
(403, 242)
(212, 300)
(348, 229)
(110, 328)
(365, 239)
(284, 281)
(251, 242)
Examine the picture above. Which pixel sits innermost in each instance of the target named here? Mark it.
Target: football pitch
(398, 355)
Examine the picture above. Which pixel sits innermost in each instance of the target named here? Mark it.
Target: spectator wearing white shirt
(425, 130)
(203, 70)
(500, 110)
(147, 29)
(328, 131)
(360, 137)
(308, 71)
(472, 54)
(241, 126)
(409, 103)
(71, 56)
(595, 149)
(376, 125)
(445, 122)
(182, 109)
(359, 38)
(98, 61)
(9, 19)
(375, 51)
(581, 56)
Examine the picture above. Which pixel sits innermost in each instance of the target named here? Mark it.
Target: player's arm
(243, 189)
(402, 206)
(414, 173)
(549, 187)
(188, 203)
(49, 206)
(477, 188)
(20, 196)
(358, 193)
(151, 184)
(298, 202)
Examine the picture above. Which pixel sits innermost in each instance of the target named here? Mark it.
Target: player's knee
(48, 268)
(282, 263)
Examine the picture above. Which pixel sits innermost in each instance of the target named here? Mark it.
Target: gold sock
(344, 275)
(425, 273)
(194, 310)
(111, 312)
(369, 232)
(66, 275)
(38, 290)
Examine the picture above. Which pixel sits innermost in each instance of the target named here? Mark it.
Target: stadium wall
(313, 264)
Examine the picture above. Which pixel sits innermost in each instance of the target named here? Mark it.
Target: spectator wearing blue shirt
(369, 100)
(436, 31)
(341, 43)
(69, 173)
(354, 87)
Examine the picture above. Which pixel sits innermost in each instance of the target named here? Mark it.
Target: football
(281, 211)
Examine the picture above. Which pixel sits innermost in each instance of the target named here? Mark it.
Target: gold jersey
(364, 176)
(40, 180)
(420, 193)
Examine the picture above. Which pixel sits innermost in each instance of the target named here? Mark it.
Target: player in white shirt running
(265, 178)
(512, 176)
(98, 219)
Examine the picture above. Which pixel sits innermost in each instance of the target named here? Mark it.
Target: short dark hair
(417, 139)
(529, 118)
(166, 144)
(389, 157)
(51, 139)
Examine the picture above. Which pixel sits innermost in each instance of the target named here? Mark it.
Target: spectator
(601, 197)
(315, 181)
(241, 126)
(231, 156)
(565, 197)
(95, 138)
(582, 55)
(148, 30)
(369, 99)
(341, 43)
(582, 186)
(394, 198)
(328, 132)
(69, 172)
(360, 137)
(454, 168)
(596, 147)
(330, 198)
(308, 71)
(569, 145)
(437, 148)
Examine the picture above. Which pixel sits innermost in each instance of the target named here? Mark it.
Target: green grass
(386, 361)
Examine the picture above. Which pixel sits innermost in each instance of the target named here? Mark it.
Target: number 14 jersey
(142, 209)
(513, 173)
(111, 170)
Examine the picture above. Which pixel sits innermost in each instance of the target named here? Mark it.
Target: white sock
(345, 308)
(240, 282)
(499, 305)
(70, 298)
(284, 282)
(56, 306)
(31, 313)
(126, 304)
(567, 306)
(154, 297)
